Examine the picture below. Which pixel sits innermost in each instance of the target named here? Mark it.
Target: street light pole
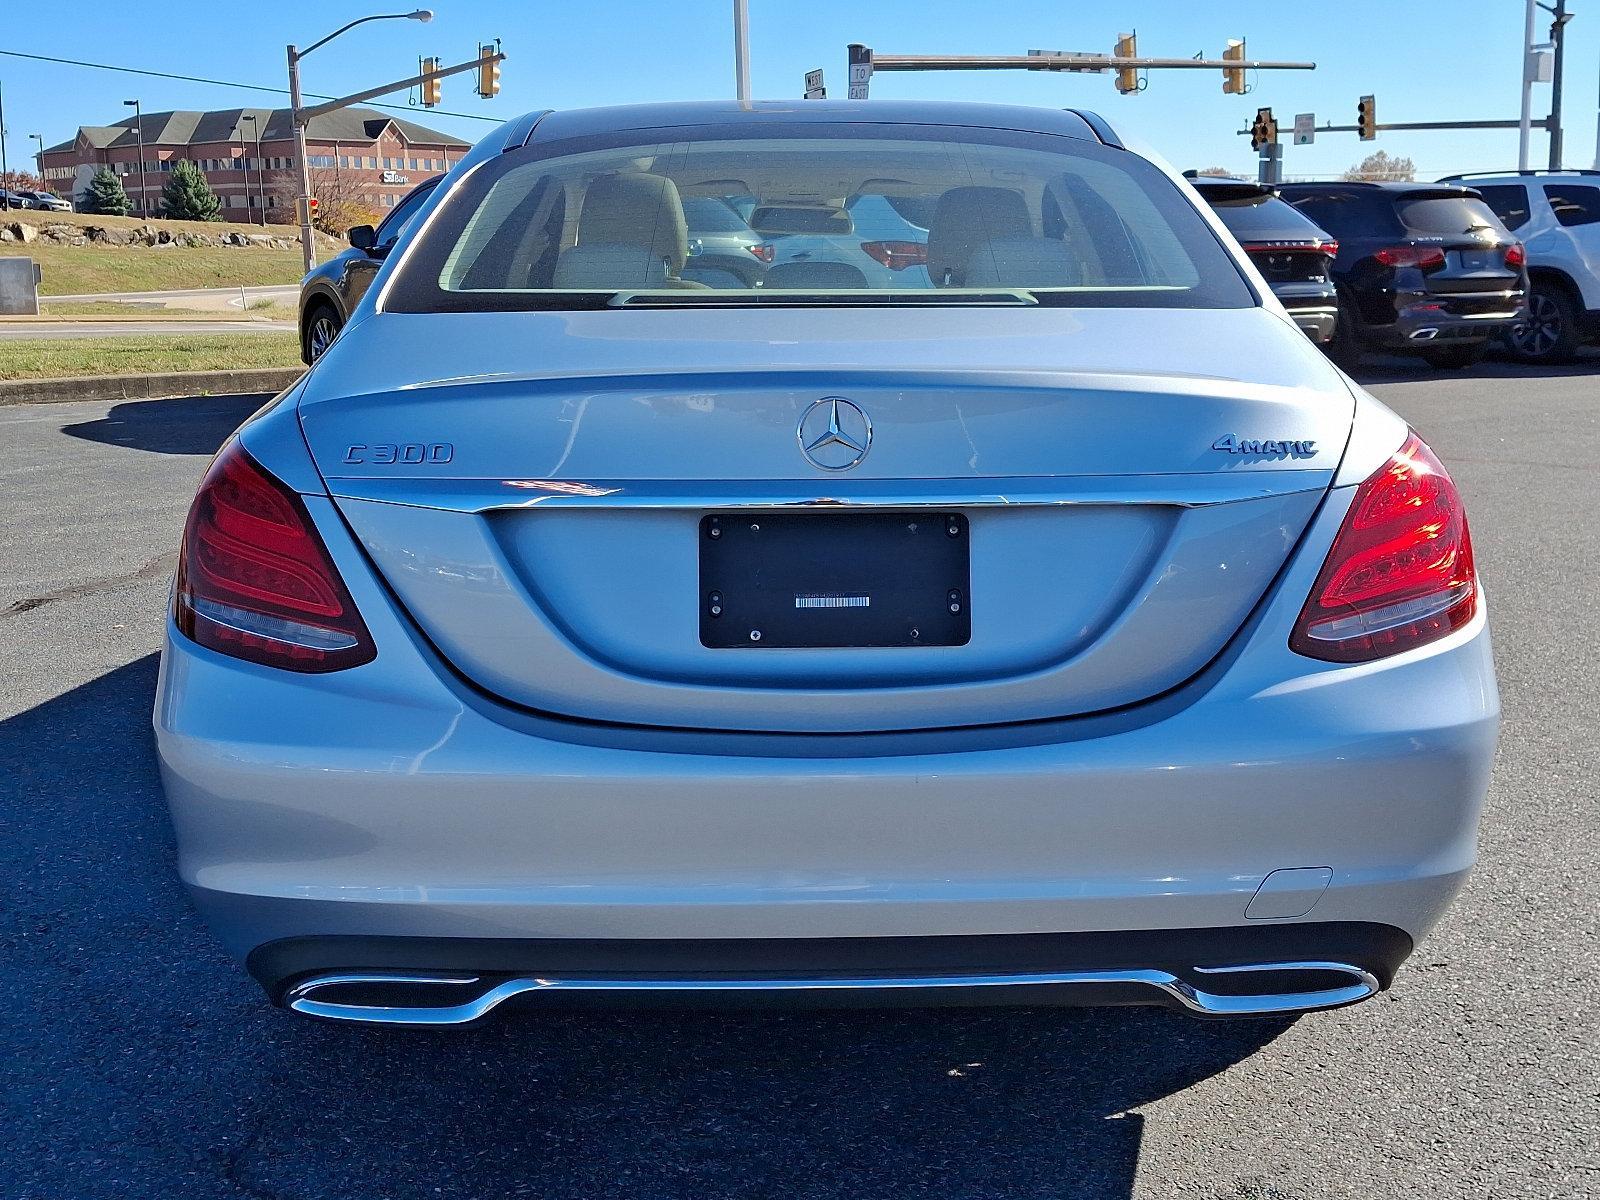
(308, 253)
(138, 125)
(38, 156)
(5, 170)
(243, 117)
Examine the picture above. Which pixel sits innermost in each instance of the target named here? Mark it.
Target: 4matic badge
(1266, 448)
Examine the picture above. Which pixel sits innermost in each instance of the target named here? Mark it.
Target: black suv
(333, 289)
(1423, 268)
(1293, 255)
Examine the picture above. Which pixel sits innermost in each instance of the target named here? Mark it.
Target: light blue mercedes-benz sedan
(1043, 619)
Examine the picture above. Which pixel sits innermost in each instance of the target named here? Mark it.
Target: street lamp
(261, 167)
(38, 155)
(307, 245)
(138, 124)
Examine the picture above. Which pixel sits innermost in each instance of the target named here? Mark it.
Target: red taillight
(1516, 256)
(1410, 256)
(255, 580)
(1400, 573)
(762, 250)
(897, 256)
(1330, 248)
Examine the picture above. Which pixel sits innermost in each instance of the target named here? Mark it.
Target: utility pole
(741, 50)
(1558, 40)
(5, 170)
(1524, 121)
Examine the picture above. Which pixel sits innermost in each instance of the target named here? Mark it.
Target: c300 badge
(1265, 448)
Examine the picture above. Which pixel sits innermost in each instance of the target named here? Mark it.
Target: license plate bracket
(834, 580)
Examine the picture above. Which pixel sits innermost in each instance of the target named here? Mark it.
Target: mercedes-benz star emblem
(834, 434)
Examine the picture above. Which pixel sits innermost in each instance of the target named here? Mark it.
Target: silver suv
(1557, 216)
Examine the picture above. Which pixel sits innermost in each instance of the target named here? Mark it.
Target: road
(28, 331)
(139, 1062)
(187, 298)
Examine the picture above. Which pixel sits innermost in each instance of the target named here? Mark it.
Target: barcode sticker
(833, 601)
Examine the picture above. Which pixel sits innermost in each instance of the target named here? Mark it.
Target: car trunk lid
(541, 502)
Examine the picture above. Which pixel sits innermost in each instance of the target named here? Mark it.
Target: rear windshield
(870, 214)
(1446, 216)
(1260, 217)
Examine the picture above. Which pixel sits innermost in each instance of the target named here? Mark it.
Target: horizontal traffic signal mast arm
(304, 115)
(1069, 62)
(1401, 126)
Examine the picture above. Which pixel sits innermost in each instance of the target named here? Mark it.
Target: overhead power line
(228, 83)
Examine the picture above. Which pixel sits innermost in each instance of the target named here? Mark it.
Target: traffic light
(1127, 77)
(1233, 77)
(488, 72)
(1367, 118)
(306, 209)
(1263, 130)
(432, 89)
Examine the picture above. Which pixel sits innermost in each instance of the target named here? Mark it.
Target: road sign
(860, 71)
(814, 87)
(1305, 128)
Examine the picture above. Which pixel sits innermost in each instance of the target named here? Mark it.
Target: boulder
(24, 233)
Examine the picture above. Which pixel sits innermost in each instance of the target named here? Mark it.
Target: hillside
(83, 253)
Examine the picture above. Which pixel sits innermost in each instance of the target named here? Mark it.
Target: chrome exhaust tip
(1426, 334)
(448, 1000)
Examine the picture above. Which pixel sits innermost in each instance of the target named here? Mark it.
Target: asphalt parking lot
(136, 1061)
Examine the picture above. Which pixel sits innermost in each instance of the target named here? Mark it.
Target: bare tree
(342, 199)
(1381, 166)
(1221, 172)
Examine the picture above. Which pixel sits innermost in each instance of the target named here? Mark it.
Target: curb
(147, 387)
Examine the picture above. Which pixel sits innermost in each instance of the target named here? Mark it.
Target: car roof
(586, 122)
(1384, 185)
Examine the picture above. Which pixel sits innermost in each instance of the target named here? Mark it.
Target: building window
(388, 200)
(372, 162)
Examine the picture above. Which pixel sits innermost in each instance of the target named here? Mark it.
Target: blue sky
(1423, 60)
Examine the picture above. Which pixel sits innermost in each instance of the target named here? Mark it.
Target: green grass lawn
(66, 358)
(74, 270)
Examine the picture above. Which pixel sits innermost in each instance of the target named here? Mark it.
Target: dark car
(1292, 254)
(333, 289)
(1423, 268)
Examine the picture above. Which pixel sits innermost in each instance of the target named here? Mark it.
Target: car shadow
(188, 425)
(1402, 368)
(143, 1060)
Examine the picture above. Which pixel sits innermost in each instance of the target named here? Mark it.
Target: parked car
(331, 291)
(45, 200)
(1066, 627)
(721, 240)
(1557, 216)
(15, 198)
(1423, 268)
(1294, 256)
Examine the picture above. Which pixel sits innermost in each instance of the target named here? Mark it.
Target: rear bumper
(1319, 322)
(1424, 319)
(1260, 970)
(392, 802)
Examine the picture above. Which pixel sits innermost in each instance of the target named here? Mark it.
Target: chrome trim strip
(301, 997)
(1181, 490)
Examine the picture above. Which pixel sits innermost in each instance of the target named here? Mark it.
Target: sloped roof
(185, 127)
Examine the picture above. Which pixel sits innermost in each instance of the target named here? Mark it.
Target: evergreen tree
(186, 196)
(106, 195)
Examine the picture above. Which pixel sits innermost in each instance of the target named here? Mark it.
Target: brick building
(366, 156)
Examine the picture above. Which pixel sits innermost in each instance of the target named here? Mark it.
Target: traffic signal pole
(865, 62)
(302, 117)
